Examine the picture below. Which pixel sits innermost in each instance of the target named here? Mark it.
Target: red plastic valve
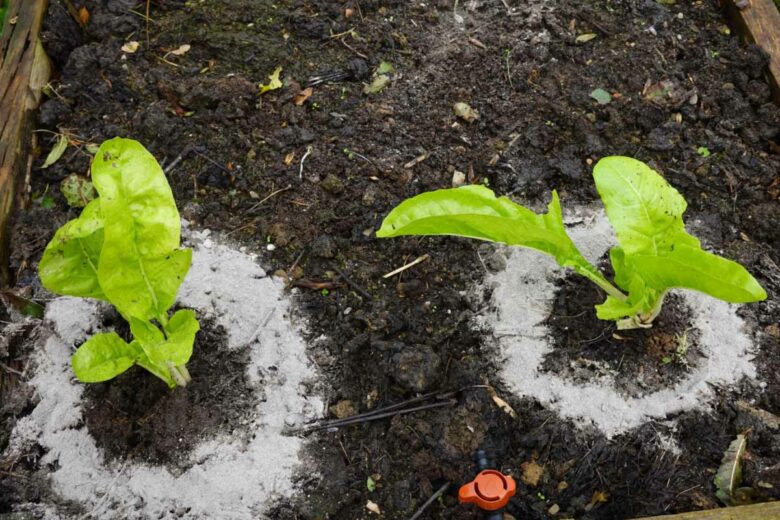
(490, 490)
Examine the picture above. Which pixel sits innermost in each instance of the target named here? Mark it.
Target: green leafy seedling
(124, 248)
(654, 252)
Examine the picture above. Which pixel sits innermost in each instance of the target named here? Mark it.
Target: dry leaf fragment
(477, 43)
(499, 402)
(56, 152)
(532, 472)
(288, 159)
(378, 83)
(301, 97)
(83, 16)
(182, 50)
(583, 38)
(598, 497)
(465, 112)
(729, 474)
(130, 47)
(371, 506)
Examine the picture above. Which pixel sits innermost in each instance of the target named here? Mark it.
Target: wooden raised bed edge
(759, 22)
(24, 71)
(765, 511)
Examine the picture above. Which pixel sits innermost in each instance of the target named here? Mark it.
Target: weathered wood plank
(24, 70)
(759, 22)
(765, 511)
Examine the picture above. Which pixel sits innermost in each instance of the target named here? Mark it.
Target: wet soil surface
(635, 361)
(135, 416)
(678, 82)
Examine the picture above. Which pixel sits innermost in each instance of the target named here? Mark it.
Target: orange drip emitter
(490, 490)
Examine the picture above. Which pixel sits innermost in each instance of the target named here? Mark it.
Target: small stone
(496, 262)
(554, 509)
(369, 196)
(417, 368)
(332, 184)
(324, 246)
(280, 234)
(356, 343)
(343, 409)
(458, 178)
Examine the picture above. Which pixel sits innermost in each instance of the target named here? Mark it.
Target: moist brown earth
(679, 83)
(136, 417)
(639, 361)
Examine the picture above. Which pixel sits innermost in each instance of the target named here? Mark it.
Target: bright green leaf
(163, 372)
(181, 331)
(140, 268)
(475, 212)
(703, 151)
(370, 484)
(647, 215)
(274, 81)
(174, 346)
(69, 263)
(56, 152)
(645, 211)
(694, 268)
(104, 356)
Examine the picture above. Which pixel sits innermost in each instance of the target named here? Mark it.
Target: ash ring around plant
(163, 427)
(523, 300)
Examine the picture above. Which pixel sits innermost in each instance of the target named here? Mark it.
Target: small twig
(343, 450)
(295, 264)
(103, 500)
(403, 268)
(348, 46)
(142, 15)
(300, 171)
(212, 161)
(11, 370)
(148, 8)
(260, 327)
(357, 420)
(178, 158)
(372, 163)
(381, 410)
(277, 192)
(352, 284)
(430, 501)
(342, 34)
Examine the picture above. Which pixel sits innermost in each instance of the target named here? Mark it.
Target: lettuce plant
(124, 248)
(654, 252)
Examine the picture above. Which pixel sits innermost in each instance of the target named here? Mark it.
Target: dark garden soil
(678, 82)
(639, 361)
(134, 416)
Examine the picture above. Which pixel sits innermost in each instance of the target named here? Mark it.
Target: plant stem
(648, 317)
(185, 373)
(595, 277)
(177, 376)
